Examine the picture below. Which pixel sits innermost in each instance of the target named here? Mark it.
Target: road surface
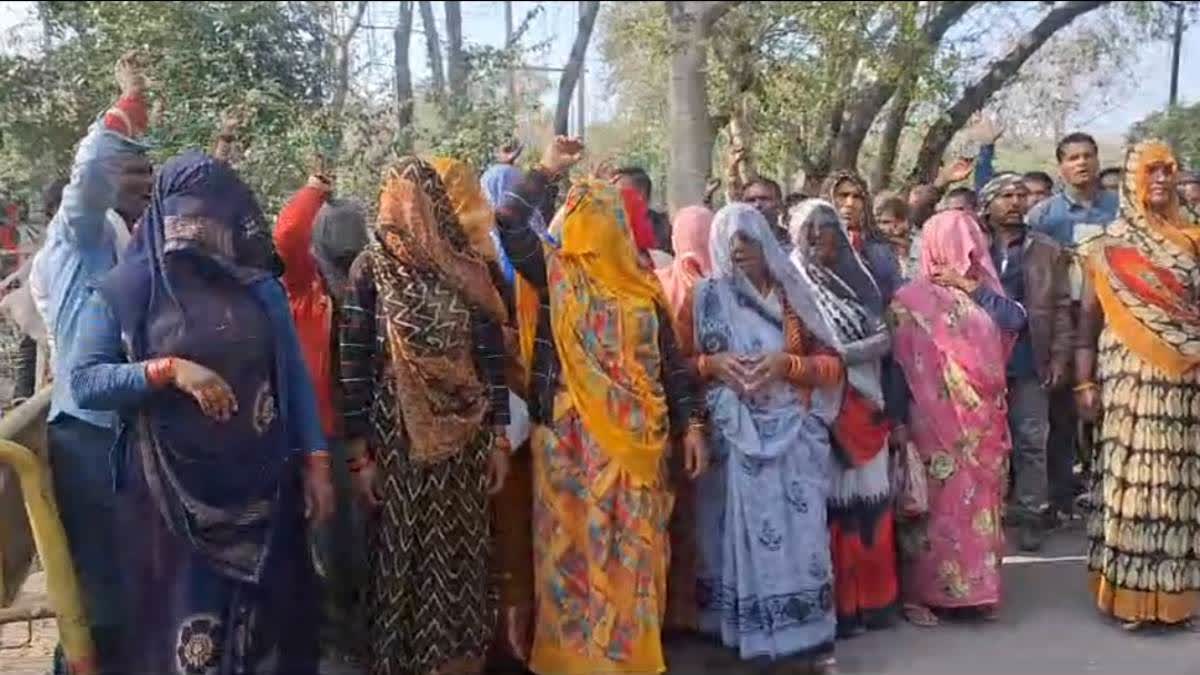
(1046, 627)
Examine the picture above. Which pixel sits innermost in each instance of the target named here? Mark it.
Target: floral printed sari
(954, 356)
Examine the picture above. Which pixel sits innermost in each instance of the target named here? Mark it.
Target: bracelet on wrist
(160, 372)
(1086, 385)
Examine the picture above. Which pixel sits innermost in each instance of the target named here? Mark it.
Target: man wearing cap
(1033, 269)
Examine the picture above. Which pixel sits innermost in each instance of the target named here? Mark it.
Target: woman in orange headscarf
(422, 356)
(1139, 347)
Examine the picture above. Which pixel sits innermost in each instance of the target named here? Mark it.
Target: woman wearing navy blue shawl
(221, 455)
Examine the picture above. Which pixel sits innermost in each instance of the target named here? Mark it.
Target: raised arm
(521, 243)
(293, 234)
(110, 142)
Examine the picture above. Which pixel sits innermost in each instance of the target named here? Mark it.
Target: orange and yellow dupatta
(1144, 270)
(604, 309)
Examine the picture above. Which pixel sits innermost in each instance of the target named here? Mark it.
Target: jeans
(1028, 421)
(82, 475)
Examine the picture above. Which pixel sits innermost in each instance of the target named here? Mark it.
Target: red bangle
(160, 372)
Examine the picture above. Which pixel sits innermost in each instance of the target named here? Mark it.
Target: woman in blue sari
(221, 455)
(765, 583)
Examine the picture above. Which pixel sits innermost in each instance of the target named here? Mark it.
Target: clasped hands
(748, 374)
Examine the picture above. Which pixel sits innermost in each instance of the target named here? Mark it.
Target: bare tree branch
(456, 59)
(869, 102)
(433, 49)
(570, 75)
(1001, 72)
(342, 45)
(401, 38)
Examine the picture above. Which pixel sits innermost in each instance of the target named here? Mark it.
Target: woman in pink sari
(689, 239)
(953, 327)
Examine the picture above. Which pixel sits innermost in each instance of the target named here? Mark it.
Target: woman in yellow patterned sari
(1137, 366)
(610, 390)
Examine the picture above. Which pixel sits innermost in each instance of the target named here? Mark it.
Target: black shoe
(1030, 539)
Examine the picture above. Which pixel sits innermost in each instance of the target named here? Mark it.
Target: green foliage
(204, 57)
(273, 59)
(1180, 127)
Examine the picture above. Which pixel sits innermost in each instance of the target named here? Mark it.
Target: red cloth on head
(639, 219)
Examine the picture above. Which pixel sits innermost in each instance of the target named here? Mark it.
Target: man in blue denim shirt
(1081, 205)
(1082, 200)
(109, 188)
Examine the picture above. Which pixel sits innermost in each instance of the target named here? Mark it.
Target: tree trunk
(692, 131)
(976, 96)
(889, 142)
(456, 59)
(570, 74)
(860, 115)
(742, 170)
(342, 42)
(401, 38)
(433, 50)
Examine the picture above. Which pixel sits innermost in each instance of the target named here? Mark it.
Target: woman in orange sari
(1139, 346)
(689, 240)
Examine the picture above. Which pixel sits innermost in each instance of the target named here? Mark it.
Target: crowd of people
(534, 425)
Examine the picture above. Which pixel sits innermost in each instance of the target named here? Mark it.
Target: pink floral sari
(954, 357)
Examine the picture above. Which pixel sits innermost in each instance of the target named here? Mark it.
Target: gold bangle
(1084, 386)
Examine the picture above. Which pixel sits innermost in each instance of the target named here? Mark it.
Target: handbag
(909, 484)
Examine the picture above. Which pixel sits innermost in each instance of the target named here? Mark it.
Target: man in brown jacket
(1033, 269)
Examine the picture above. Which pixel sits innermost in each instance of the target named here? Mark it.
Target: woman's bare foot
(920, 615)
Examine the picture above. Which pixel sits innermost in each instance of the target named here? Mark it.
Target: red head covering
(639, 219)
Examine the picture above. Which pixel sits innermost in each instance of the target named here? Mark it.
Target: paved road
(1046, 627)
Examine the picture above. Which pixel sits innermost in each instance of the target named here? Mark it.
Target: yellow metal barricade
(25, 481)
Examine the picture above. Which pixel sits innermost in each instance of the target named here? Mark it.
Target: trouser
(1062, 448)
(1028, 421)
(81, 472)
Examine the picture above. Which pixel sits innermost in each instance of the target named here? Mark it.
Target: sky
(483, 23)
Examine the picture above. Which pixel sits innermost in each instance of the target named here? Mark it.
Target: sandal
(920, 616)
(990, 614)
(1133, 626)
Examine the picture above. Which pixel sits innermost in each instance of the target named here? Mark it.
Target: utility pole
(1174, 97)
